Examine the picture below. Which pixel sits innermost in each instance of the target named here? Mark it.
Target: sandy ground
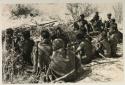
(105, 70)
(99, 70)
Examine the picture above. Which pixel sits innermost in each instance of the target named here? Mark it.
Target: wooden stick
(102, 55)
(62, 77)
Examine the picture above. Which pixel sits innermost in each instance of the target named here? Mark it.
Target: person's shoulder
(100, 20)
(85, 21)
(79, 20)
(82, 20)
(106, 20)
(41, 43)
(82, 43)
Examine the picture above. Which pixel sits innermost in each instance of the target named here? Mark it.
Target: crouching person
(113, 35)
(104, 45)
(27, 48)
(43, 52)
(64, 64)
(85, 49)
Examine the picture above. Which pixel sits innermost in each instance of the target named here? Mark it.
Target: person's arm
(35, 58)
(53, 54)
(116, 29)
(39, 58)
(102, 25)
(87, 27)
(80, 47)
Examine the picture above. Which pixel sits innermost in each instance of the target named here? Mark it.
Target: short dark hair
(109, 14)
(58, 43)
(82, 15)
(26, 34)
(96, 12)
(45, 34)
(9, 31)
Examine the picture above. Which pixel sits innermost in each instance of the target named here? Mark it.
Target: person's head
(97, 13)
(45, 34)
(9, 31)
(82, 16)
(109, 15)
(26, 34)
(58, 29)
(57, 44)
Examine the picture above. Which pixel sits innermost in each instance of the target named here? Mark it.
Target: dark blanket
(62, 64)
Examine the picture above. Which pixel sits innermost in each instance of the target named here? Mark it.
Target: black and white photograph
(62, 42)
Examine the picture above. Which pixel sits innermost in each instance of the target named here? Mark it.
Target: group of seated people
(61, 63)
(54, 56)
(55, 59)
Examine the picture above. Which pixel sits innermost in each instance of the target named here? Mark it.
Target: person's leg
(87, 60)
(113, 50)
(35, 63)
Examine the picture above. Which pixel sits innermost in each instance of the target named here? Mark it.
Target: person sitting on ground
(41, 58)
(85, 49)
(113, 27)
(113, 38)
(97, 23)
(83, 24)
(27, 47)
(59, 33)
(104, 45)
(64, 64)
(107, 23)
(96, 15)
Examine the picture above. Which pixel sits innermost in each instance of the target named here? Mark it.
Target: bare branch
(76, 9)
(118, 12)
